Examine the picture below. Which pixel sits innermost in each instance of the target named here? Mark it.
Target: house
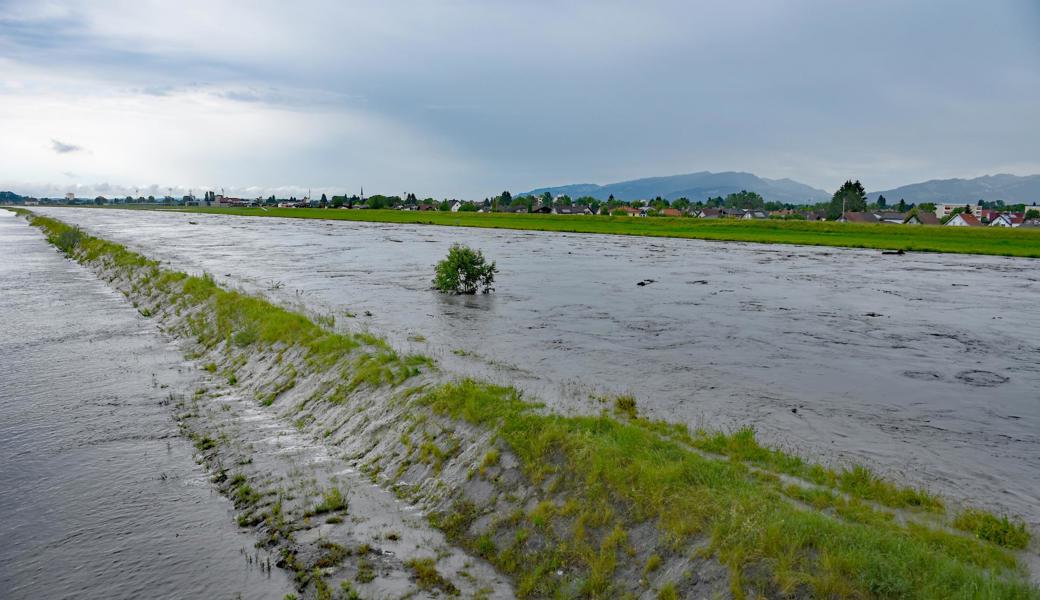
(517, 208)
(922, 218)
(1030, 223)
(815, 216)
(963, 220)
(572, 210)
(737, 213)
(1007, 220)
(541, 209)
(628, 210)
(671, 212)
(708, 213)
(754, 214)
(890, 217)
(857, 217)
(426, 207)
(455, 206)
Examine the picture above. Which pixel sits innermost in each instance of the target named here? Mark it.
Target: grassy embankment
(838, 538)
(912, 238)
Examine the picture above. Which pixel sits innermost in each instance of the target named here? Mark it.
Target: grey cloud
(521, 95)
(63, 148)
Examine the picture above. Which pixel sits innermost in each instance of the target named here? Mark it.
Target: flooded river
(925, 367)
(99, 496)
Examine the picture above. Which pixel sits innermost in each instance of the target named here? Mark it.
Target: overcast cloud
(462, 98)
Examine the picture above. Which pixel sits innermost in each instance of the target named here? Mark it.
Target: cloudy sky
(467, 98)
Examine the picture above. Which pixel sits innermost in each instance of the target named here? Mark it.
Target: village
(740, 206)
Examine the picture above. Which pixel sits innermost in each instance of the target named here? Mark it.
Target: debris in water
(645, 282)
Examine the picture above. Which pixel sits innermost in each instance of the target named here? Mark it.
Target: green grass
(628, 468)
(424, 570)
(857, 481)
(332, 500)
(1001, 531)
(966, 240)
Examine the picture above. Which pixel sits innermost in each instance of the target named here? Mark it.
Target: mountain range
(696, 186)
(1012, 189)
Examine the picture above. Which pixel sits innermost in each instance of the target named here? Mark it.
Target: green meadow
(911, 238)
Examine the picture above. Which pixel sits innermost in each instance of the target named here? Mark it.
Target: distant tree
(745, 199)
(924, 206)
(100, 200)
(715, 202)
(505, 198)
(324, 202)
(377, 201)
(637, 204)
(468, 207)
(681, 203)
(851, 196)
(444, 205)
(546, 199)
(1033, 214)
(659, 203)
(771, 205)
(881, 202)
(337, 201)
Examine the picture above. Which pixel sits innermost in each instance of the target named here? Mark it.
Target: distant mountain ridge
(695, 186)
(1012, 189)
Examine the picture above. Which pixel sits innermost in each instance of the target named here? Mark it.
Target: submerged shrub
(464, 271)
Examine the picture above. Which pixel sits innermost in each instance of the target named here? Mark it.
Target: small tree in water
(464, 271)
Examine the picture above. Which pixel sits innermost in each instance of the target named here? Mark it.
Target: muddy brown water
(99, 495)
(925, 367)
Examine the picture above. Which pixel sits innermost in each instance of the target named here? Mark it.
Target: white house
(963, 220)
(1007, 220)
(455, 206)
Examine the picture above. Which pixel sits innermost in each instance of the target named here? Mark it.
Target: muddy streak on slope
(922, 366)
(99, 496)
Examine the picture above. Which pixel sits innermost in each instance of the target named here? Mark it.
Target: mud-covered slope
(525, 502)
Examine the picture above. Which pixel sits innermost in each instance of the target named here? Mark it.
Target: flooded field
(99, 494)
(925, 367)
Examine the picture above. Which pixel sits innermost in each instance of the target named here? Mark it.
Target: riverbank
(596, 506)
(998, 241)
